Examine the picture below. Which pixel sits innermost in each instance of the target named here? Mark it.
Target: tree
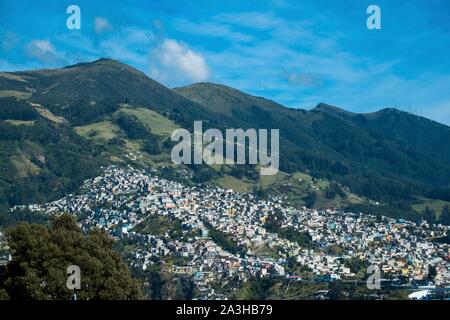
(310, 199)
(429, 215)
(432, 273)
(133, 128)
(41, 255)
(3, 295)
(445, 215)
(260, 288)
(273, 222)
(336, 291)
(204, 174)
(152, 145)
(356, 265)
(334, 190)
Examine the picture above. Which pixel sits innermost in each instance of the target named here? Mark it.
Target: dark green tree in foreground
(41, 256)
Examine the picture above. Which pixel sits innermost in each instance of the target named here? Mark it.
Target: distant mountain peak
(210, 86)
(105, 60)
(111, 63)
(332, 109)
(224, 99)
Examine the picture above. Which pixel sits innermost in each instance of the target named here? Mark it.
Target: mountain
(58, 126)
(85, 92)
(388, 153)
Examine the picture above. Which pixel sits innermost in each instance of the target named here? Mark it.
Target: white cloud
(133, 35)
(174, 63)
(211, 29)
(43, 46)
(101, 25)
(43, 51)
(305, 79)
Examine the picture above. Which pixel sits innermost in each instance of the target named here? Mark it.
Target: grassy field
(296, 186)
(267, 181)
(243, 293)
(435, 205)
(298, 290)
(103, 130)
(160, 125)
(237, 185)
(47, 114)
(17, 94)
(280, 290)
(132, 150)
(20, 122)
(24, 166)
(246, 185)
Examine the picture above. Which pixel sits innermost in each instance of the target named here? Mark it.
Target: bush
(133, 128)
(152, 146)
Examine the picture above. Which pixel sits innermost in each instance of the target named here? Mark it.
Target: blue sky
(298, 53)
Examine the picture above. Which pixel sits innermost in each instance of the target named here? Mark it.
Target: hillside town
(214, 235)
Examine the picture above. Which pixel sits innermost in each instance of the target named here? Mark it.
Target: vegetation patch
(15, 94)
(103, 130)
(159, 124)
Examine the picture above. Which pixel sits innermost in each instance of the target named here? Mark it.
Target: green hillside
(58, 127)
(388, 154)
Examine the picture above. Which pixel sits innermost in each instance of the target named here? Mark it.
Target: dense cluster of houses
(397, 246)
(123, 198)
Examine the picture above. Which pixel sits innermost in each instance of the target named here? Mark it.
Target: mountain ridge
(116, 64)
(384, 155)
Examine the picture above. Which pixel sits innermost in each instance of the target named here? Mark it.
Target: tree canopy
(41, 256)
